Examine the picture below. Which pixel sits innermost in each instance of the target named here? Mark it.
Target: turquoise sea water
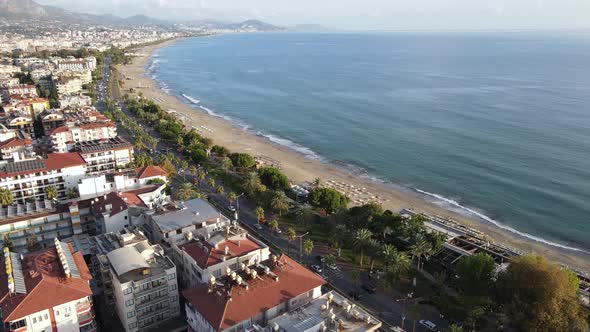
(491, 124)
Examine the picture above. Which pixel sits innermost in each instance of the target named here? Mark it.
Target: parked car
(317, 268)
(279, 231)
(258, 226)
(333, 267)
(370, 288)
(231, 208)
(428, 324)
(320, 258)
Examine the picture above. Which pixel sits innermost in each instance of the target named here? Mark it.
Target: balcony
(153, 312)
(86, 318)
(83, 306)
(151, 300)
(91, 327)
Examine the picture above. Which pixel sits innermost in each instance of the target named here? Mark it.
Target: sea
(495, 125)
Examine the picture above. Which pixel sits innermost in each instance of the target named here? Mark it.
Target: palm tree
(330, 260)
(291, 235)
(211, 182)
(192, 170)
(373, 251)
(184, 167)
(51, 192)
(139, 144)
(279, 202)
(396, 262)
(360, 240)
(6, 197)
(259, 214)
(231, 197)
(316, 183)
(252, 184)
(200, 176)
(220, 190)
(455, 328)
(273, 225)
(226, 163)
(307, 247)
(185, 192)
(7, 241)
(419, 249)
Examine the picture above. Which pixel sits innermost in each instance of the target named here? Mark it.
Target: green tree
(185, 192)
(330, 260)
(242, 160)
(540, 296)
(226, 163)
(32, 243)
(200, 177)
(361, 240)
(259, 213)
(211, 182)
(51, 192)
(231, 197)
(192, 170)
(420, 249)
(328, 199)
(273, 178)
(7, 241)
(252, 184)
(316, 183)
(397, 263)
(307, 247)
(6, 197)
(455, 328)
(72, 193)
(476, 274)
(220, 190)
(279, 202)
(291, 235)
(273, 225)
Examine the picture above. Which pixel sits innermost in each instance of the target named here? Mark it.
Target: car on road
(231, 208)
(258, 226)
(317, 268)
(279, 231)
(333, 267)
(427, 324)
(370, 288)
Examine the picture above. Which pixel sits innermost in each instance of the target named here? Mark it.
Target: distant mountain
(30, 10)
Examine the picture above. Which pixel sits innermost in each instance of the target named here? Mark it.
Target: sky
(358, 14)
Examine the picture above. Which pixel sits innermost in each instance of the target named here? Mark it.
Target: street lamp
(238, 205)
(409, 296)
(301, 245)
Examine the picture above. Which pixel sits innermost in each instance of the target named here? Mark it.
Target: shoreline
(300, 168)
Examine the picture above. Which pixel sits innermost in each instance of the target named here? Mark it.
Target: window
(172, 287)
(125, 217)
(45, 316)
(18, 324)
(129, 302)
(34, 320)
(171, 276)
(132, 326)
(179, 231)
(131, 314)
(128, 291)
(174, 298)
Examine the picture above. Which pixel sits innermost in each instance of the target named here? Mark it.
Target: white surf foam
(470, 211)
(309, 153)
(191, 99)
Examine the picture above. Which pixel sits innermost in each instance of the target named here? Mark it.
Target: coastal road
(387, 309)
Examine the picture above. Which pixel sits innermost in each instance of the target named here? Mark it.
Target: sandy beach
(300, 168)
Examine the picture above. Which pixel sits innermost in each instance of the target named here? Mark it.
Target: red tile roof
(262, 294)
(97, 125)
(45, 283)
(150, 172)
(14, 142)
(120, 201)
(215, 256)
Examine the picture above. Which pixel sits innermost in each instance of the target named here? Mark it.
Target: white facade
(76, 101)
(64, 138)
(68, 86)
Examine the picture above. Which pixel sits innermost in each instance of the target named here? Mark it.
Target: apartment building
(93, 186)
(138, 280)
(17, 149)
(251, 295)
(64, 138)
(9, 82)
(68, 85)
(105, 156)
(75, 101)
(20, 120)
(19, 90)
(28, 179)
(46, 290)
(211, 254)
(169, 223)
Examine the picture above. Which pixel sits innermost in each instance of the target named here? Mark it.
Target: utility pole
(301, 245)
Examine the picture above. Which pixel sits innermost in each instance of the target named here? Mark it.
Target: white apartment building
(65, 138)
(105, 156)
(46, 290)
(93, 186)
(170, 223)
(75, 101)
(28, 179)
(68, 85)
(17, 149)
(210, 255)
(9, 82)
(139, 281)
(19, 90)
